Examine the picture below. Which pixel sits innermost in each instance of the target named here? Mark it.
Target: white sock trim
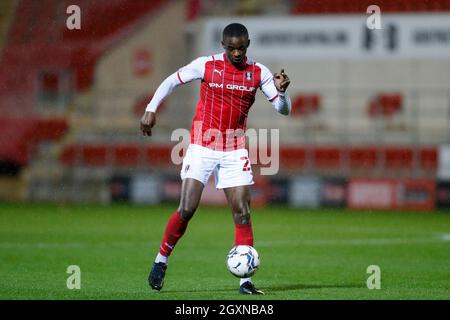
(161, 258)
(244, 280)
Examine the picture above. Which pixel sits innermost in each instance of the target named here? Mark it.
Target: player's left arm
(274, 88)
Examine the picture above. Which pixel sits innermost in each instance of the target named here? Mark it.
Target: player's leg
(191, 191)
(198, 164)
(239, 201)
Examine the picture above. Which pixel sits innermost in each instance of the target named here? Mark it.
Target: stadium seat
(126, 155)
(398, 158)
(158, 156)
(305, 105)
(385, 105)
(68, 155)
(292, 157)
(327, 158)
(50, 129)
(365, 158)
(94, 155)
(122, 155)
(429, 158)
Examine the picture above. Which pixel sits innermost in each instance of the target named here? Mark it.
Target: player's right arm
(193, 71)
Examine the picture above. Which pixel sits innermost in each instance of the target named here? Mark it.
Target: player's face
(235, 49)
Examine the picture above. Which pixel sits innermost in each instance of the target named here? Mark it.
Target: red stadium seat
(292, 157)
(122, 155)
(327, 158)
(51, 129)
(68, 155)
(363, 158)
(398, 158)
(429, 158)
(126, 155)
(158, 156)
(385, 105)
(305, 105)
(94, 155)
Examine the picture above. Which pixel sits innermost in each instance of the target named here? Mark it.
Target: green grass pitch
(305, 254)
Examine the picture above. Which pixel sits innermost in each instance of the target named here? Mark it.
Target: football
(243, 261)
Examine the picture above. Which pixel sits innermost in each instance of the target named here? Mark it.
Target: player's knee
(187, 211)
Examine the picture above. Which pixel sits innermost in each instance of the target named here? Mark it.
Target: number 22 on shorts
(246, 164)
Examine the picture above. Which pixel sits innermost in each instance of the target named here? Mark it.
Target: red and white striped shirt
(226, 95)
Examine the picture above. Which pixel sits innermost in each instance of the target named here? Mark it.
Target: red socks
(174, 231)
(176, 227)
(243, 234)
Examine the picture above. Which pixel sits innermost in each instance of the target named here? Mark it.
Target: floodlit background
(369, 130)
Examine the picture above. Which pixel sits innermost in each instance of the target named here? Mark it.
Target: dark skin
(191, 190)
(236, 50)
(238, 200)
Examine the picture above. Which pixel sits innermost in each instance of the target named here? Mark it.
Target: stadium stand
(20, 137)
(39, 40)
(331, 160)
(39, 37)
(83, 101)
(38, 46)
(349, 6)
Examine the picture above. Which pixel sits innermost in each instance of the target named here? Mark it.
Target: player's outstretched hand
(281, 81)
(147, 122)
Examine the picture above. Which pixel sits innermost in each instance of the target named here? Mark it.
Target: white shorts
(230, 168)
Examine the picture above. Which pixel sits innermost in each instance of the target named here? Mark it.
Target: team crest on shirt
(248, 75)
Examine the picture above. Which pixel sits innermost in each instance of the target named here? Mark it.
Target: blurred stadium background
(370, 129)
(371, 108)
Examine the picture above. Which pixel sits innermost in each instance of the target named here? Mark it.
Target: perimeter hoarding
(410, 194)
(338, 36)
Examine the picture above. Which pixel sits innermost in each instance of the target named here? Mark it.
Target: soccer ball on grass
(243, 261)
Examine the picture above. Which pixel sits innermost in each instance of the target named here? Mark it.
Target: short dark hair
(234, 30)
